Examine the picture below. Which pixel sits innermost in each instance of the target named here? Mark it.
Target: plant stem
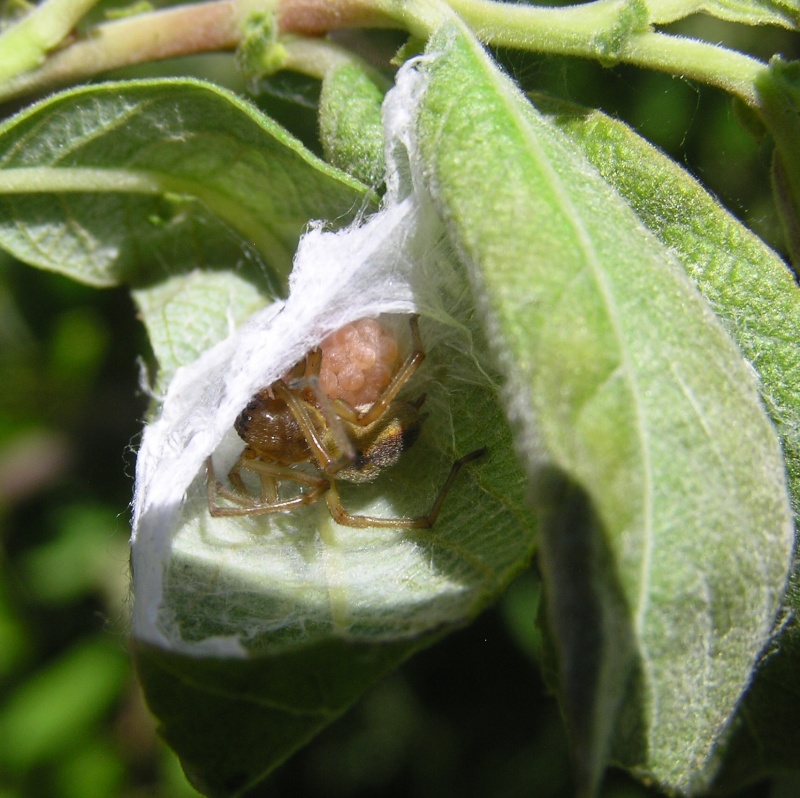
(23, 46)
(317, 57)
(706, 63)
(183, 30)
(572, 30)
(318, 17)
(613, 31)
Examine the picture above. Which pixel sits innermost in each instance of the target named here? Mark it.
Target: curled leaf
(350, 123)
(666, 529)
(265, 604)
(755, 296)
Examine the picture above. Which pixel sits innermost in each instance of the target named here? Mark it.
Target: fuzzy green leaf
(784, 13)
(666, 529)
(133, 182)
(233, 616)
(756, 298)
(188, 313)
(750, 288)
(324, 611)
(350, 124)
(233, 721)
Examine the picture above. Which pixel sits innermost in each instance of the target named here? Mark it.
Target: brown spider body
(294, 423)
(272, 433)
(270, 430)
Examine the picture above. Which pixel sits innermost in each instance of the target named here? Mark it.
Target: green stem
(612, 31)
(313, 57)
(706, 63)
(584, 30)
(24, 45)
(183, 30)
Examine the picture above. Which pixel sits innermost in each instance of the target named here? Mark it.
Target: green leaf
(749, 287)
(322, 611)
(132, 182)
(666, 538)
(188, 313)
(784, 13)
(233, 721)
(756, 298)
(58, 706)
(302, 593)
(258, 601)
(350, 123)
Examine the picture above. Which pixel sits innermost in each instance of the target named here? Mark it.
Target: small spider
(337, 411)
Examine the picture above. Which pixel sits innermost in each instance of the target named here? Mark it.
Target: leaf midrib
(266, 238)
(585, 245)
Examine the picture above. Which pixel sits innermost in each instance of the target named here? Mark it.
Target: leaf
(130, 182)
(350, 124)
(665, 539)
(756, 298)
(187, 314)
(280, 622)
(784, 13)
(749, 287)
(233, 721)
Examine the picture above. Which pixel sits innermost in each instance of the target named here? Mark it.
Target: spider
(303, 419)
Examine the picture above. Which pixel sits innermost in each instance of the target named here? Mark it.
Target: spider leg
(325, 405)
(343, 517)
(302, 410)
(269, 486)
(313, 363)
(404, 373)
(234, 475)
(270, 474)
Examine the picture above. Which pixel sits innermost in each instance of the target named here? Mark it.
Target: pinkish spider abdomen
(358, 362)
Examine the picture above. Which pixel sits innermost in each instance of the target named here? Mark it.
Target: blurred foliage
(71, 718)
(469, 717)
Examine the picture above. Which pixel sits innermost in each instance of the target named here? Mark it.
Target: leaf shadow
(590, 643)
